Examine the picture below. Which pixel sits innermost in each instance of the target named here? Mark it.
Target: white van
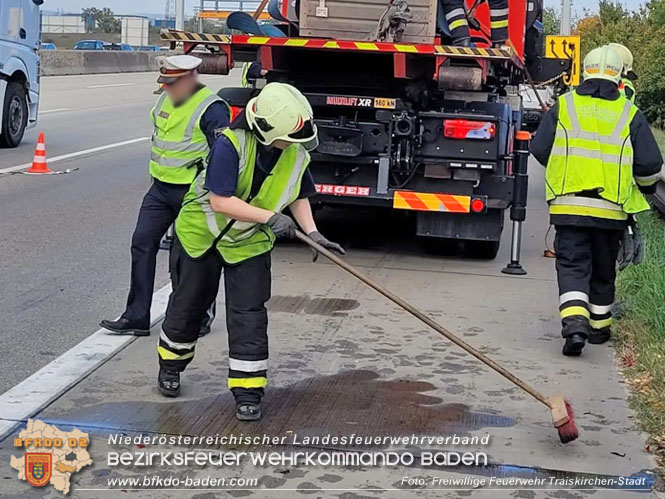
(19, 68)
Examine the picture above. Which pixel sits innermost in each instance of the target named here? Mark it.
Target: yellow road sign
(565, 47)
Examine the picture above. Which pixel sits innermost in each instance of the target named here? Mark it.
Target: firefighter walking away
(601, 156)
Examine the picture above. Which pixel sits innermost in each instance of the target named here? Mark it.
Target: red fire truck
(404, 125)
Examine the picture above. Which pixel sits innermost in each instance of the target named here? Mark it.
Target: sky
(158, 6)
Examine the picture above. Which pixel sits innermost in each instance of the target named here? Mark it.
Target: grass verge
(640, 335)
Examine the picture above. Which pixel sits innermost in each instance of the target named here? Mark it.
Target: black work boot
(125, 327)
(168, 382)
(248, 411)
(574, 345)
(599, 336)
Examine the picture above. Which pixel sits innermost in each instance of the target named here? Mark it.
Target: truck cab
(19, 68)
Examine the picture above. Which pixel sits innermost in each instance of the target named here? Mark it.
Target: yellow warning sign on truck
(565, 47)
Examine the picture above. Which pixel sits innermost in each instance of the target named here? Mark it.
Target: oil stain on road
(353, 401)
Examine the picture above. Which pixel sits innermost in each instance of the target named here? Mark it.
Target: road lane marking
(76, 154)
(107, 85)
(31, 395)
(59, 110)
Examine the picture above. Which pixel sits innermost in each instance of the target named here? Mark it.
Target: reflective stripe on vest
(178, 141)
(590, 207)
(592, 151)
(198, 226)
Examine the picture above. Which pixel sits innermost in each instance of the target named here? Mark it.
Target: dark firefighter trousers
(159, 210)
(586, 271)
(246, 288)
(458, 25)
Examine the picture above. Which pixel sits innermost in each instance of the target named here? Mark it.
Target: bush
(643, 32)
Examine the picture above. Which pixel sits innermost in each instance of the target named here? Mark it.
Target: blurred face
(280, 144)
(181, 89)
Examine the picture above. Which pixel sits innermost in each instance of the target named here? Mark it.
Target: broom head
(563, 419)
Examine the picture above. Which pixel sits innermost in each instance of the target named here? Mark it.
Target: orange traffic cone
(39, 161)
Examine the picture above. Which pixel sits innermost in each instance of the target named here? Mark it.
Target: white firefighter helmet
(281, 112)
(603, 63)
(625, 54)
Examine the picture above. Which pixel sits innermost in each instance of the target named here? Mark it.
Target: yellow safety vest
(177, 140)
(626, 83)
(199, 227)
(592, 151)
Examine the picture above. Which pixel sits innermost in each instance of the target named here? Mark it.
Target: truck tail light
(466, 129)
(478, 205)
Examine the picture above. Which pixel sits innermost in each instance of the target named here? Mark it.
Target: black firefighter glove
(319, 238)
(631, 249)
(282, 226)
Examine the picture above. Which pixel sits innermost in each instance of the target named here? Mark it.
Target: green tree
(101, 19)
(643, 32)
(551, 21)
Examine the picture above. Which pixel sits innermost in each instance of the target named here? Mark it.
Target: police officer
(251, 71)
(187, 119)
(458, 24)
(600, 156)
(229, 221)
(628, 76)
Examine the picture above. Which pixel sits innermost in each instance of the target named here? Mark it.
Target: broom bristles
(568, 431)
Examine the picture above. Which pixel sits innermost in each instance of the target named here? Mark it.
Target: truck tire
(14, 115)
(485, 250)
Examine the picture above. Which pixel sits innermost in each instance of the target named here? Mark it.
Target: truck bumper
(461, 212)
(33, 108)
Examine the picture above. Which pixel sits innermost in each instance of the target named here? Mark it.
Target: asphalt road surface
(64, 249)
(343, 360)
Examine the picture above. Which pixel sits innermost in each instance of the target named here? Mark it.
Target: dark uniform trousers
(586, 271)
(247, 289)
(455, 15)
(159, 210)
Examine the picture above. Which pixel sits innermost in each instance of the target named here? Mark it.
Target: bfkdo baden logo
(51, 455)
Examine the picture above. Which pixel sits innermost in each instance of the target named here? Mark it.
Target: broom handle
(425, 318)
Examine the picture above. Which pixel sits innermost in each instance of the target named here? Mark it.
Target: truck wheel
(486, 250)
(14, 116)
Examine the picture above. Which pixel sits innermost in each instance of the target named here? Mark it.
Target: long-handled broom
(562, 412)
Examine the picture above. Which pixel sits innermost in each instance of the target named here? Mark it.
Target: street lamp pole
(180, 15)
(565, 18)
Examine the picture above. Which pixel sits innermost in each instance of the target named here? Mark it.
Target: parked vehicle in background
(89, 45)
(19, 69)
(47, 46)
(150, 48)
(532, 111)
(123, 47)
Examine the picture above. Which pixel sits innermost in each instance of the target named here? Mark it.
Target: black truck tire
(14, 115)
(485, 250)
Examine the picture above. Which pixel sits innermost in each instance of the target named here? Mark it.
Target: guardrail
(75, 62)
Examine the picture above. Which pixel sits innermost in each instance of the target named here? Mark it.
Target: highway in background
(64, 249)
(343, 359)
